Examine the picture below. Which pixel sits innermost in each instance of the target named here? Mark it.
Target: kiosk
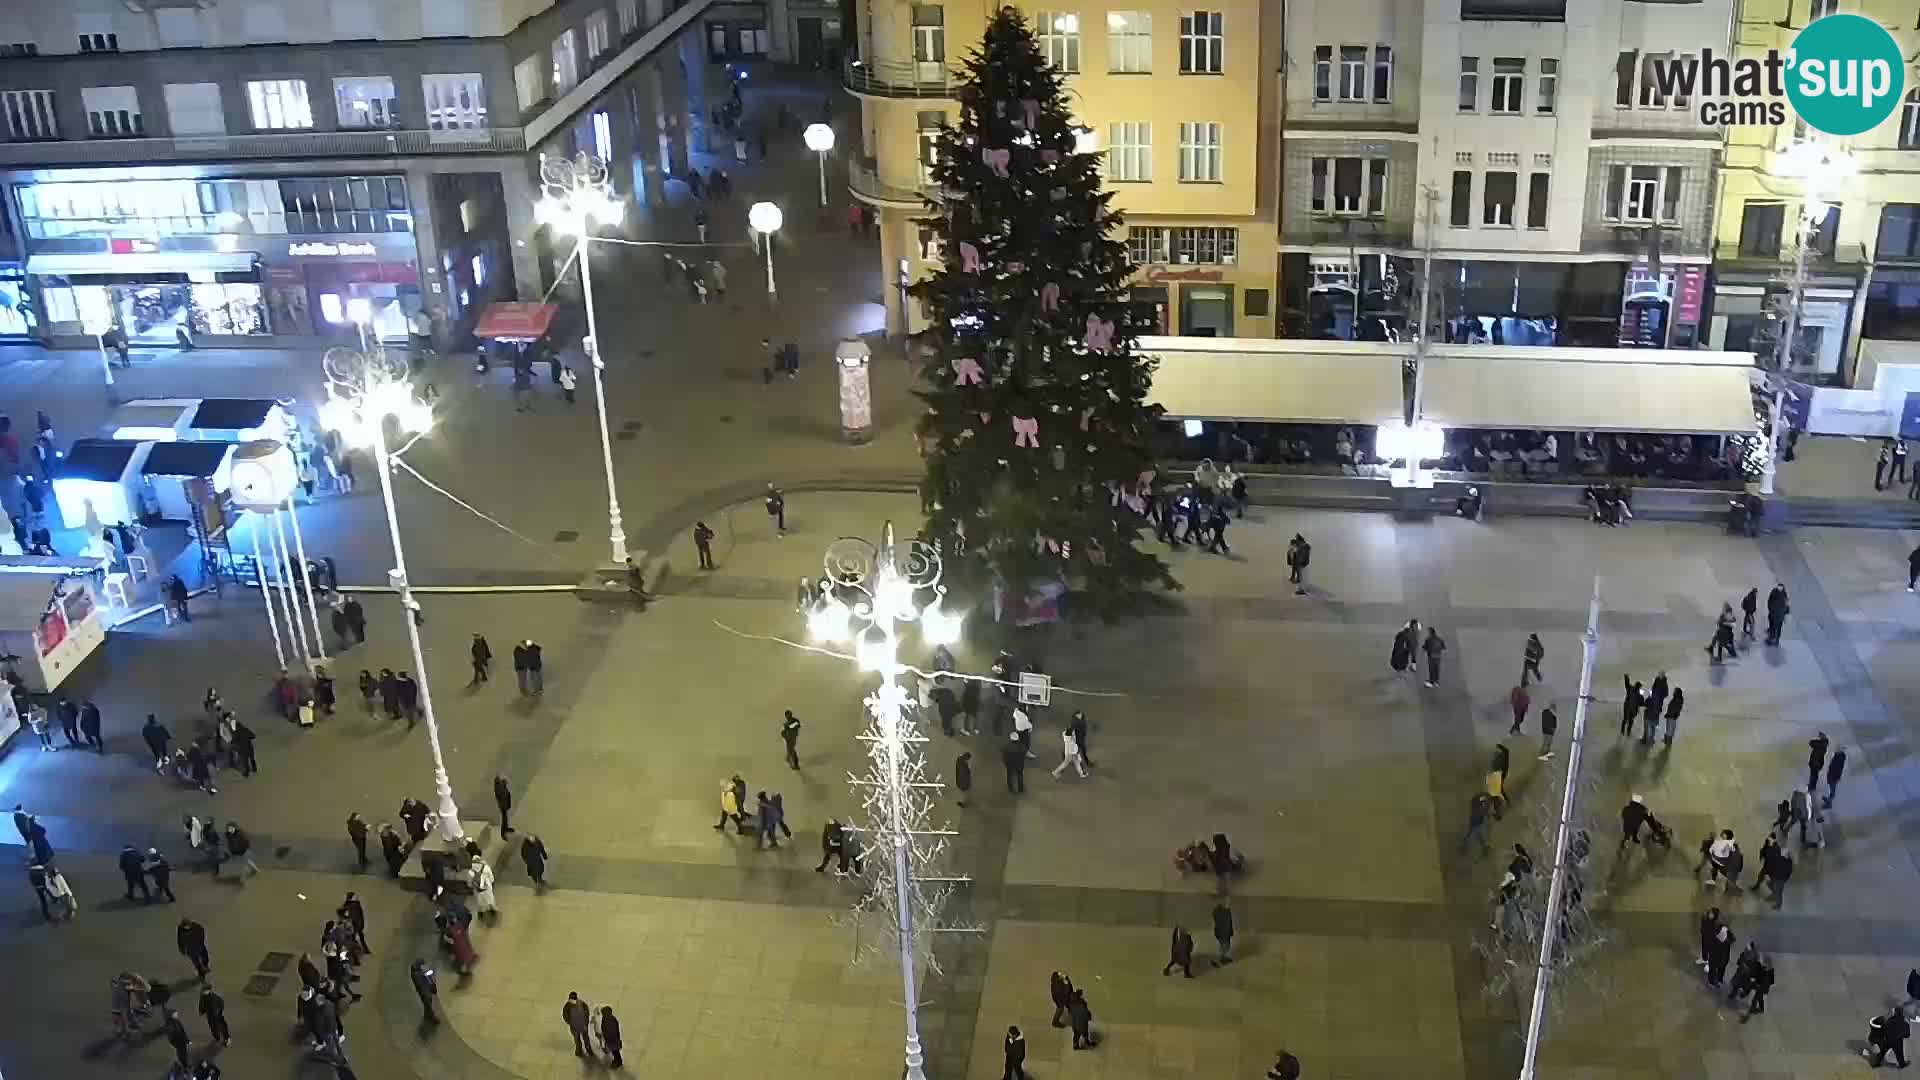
(98, 483)
(51, 623)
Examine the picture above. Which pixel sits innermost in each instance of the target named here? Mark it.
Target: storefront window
(150, 208)
(16, 313)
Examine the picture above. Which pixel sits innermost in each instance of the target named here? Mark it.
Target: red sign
(131, 247)
(1692, 290)
(1161, 273)
(515, 321)
(53, 631)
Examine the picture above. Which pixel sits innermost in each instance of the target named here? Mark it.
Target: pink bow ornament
(968, 372)
(996, 159)
(1050, 301)
(969, 258)
(1026, 432)
(1043, 542)
(1031, 108)
(1099, 334)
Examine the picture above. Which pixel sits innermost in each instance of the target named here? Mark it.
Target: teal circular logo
(1845, 74)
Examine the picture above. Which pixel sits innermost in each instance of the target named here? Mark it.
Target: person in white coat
(481, 877)
(1070, 754)
(62, 892)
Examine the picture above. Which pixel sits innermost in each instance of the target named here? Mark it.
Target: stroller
(1658, 832)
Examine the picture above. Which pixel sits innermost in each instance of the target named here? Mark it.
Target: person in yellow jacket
(730, 805)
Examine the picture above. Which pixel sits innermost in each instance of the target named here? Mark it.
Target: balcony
(863, 178)
(281, 144)
(896, 78)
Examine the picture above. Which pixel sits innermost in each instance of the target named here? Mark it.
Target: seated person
(1468, 506)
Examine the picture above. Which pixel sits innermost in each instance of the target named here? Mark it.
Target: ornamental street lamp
(820, 140)
(364, 391)
(897, 791)
(578, 194)
(766, 220)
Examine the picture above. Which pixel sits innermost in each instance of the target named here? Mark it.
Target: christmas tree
(1037, 430)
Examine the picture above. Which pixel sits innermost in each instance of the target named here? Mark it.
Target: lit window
(1058, 34)
(1200, 153)
(1147, 244)
(1129, 42)
(279, 104)
(527, 88)
(366, 102)
(30, 114)
(112, 111)
(602, 136)
(1469, 83)
(1130, 152)
(1382, 73)
(566, 63)
(629, 16)
(599, 35)
(1502, 188)
(455, 102)
(1323, 73)
(479, 270)
(1549, 86)
(1358, 186)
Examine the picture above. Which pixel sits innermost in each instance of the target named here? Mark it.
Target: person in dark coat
(969, 706)
(610, 1037)
(157, 739)
(356, 618)
(578, 1020)
(1013, 754)
(1749, 604)
(1433, 646)
(90, 726)
(832, 841)
(161, 871)
(1888, 1035)
(134, 869)
(1719, 951)
(69, 716)
(324, 696)
(1081, 1017)
(408, 691)
(357, 832)
(1181, 953)
(390, 693)
(1060, 990)
(213, 1008)
(423, 985)
(1836, 768)
(1816, 759)
(790, 735)
(1630, 704)
(1710, 924)
(355, 914)
(1777, 609)
(482, 660)
(533, 852)
(176, 1033)
(392, 849)
(1016, 1058)
(1674, 707)
(1286, 1068)
(1077, 727)
(191, 940)
(503, 798)
(963, 775)
(1223, 930)
(1633, 816)
(42, 847)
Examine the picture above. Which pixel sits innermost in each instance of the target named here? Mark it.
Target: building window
(1652, 94)
(366, 101)
(1469, 83)
(1129, 42)
(602, 135)
(1537, 200)
(1130, 152)
(1323, 73)
(566, 62)
(599, 35)
(1910, 121)
(931, 125)
(1353, 73)
(455, 102)
(1640, 193)
(112, 111)
(1509, 82)
(1200, 153)
(1670, 185)
(1204, 244)
(1460, 208)
(1820, 9)
(1502, 188)
(1761, 224)
(1623, 72)
(1549, 86)
(527, 88)
(194, 109)
(1382, 73)
(1203, 43)
(92, 43)
(1147, 244)
(279, 104)
(1899, 232)
(1358, 189)
(30, 114)
(629, 11)
(1059, 38)
(930, 34)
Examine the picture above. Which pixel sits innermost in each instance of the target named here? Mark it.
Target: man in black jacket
(482, 660)
(214, 1008)
(1776, 612)
(134, 869)
(1223, 930)
(1181, 953)
(161, 871)
(191, 940)
(424, 986)
(1060, 991)
(503, 798)
(1016, 1055)
(90, 726)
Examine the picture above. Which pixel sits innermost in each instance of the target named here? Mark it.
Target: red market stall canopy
(515, 321)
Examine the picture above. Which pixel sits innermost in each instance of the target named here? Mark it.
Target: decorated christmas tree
(1037, 431)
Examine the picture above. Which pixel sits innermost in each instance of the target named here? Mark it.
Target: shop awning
(195, 459)
(1680, 397)
(1280, 382)
(232, 414)
(146, 262)
(515, 321)
(97, 459)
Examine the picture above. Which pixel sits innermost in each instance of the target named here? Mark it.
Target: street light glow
(765, 217)
(819, 138)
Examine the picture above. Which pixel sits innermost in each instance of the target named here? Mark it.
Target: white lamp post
(820, 140)
(897, 791)
(579, 194)
(766, 220)
(1822, 169)
(364, 391)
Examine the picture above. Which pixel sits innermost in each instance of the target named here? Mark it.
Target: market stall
(179, 475)
(239, 420)
(51, 624)
(153, 419)
(98, 483)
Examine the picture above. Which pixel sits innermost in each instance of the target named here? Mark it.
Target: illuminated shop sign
(324, 249)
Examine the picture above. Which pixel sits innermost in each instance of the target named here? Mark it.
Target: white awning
(1668, 397)
(1273, 382)
(145, 262)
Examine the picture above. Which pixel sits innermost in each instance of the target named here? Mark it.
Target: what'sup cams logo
(1843, 75)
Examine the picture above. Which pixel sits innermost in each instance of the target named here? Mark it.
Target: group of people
(80, 723)
(1650, 705)
(1200, 512)
(768, 815)
(325, 993)
(1890, 468)
(1407, 641)
(57, 902)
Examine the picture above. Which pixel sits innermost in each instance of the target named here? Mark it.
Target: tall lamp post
(766, 220)
(579, 194)
(1822, 169)
(820, 140)
(365, 389)
(898, 802)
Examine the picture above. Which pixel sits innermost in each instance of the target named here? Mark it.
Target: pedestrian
(730, 809)
(533, 852)
(767, 824)
(1633, 816)
(1549, 723)
(1721, 645)
(1014, 756)
(1433, 647)
(503, 798)
(337, 618)
(1181, 953)
(1749, 604)
(1630, 704)
(703, 544)
(37, 877)
(355, 915)
(610, 1037)
(1479, 813)
(1286, 1068)
(42, 730)
(1760, 981)
(1080, 1016)
(577, 1018)
(1077, 725)
(969, 707)
(1881, 462)
(161, 872)
(392, 850)
(1069, 755)
(534, 681)
(963, 775)
(567, 383)
(90, 726)
(1530, 656)
(390, 693)
(1913, 568)
(482, 654)
(69, 716)
(1519, 702)
(1899, 460)
(409, 694)
(58, 888)
(1888, 1035)
(1777, 609)
(1836, 768)
(1023, 730)
(133, 869)
(1710, 924)
(357, 833)
(42, 847)
(424, 987)
(213, 1008)
(1674, 706)
(238, 845)
(717, 273)
(1299, 554)
(157, 739)
(480, 877)
(1060, 992)
(356, 615)
(777, 509)
(1721, 856)
(176, 1033)
(1816, 759)
(324, 698)
(1016, 1055)
(1223, 930)
(832, 846)
(790, 735)
(177, 598)
(1777, 870)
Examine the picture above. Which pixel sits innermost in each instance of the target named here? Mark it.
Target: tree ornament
(1050, 297)
(969, 258)
(967, 372)
(1099, 334)
(996, 159)
(1026, 432)
(1031, 108)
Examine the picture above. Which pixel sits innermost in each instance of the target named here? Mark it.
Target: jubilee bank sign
(327, 249)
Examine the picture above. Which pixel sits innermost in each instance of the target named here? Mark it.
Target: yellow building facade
(1181, 101)
(1864, 260)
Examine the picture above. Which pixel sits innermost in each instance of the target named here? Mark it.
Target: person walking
(730, 809)
(239, 845)
(767, 823)
(357, 833)
(790, 735)
(522, 668)
(963, 775)
(1519, 702)
(578, 1019)
(610, 1032)
(69, 716)
(1013, 754)
(1080, 1017)
(1630, 704)
(1777, 609)
(1749, 604)
(1633, 817)
(777, 509)
(176, 1032)
(503, 798)
(157, 739)
(355, 915)
(1180, 953)
(969, 707)
(1836, 768)
(58, 888)
(1674, 706)
(37, 877)
(536, 667)
(482, 654)
(356, 615)
(1069, 755)
(134, 870)
(703, 544)
(1719, 950)
(1888, 1035)
(533, 852)
(1016, 1055)
(1816, 759)
(1530, 656)
(213, 1008)
(90, 726)
(392, 850)
(1479, 816)
(1433, 647)
(1299, 554)
(1549, 723)
(480, 877)
(1710, 924)
(161, 872)
(832, 843)
(337, 618)
(425, 988)
(1881, 463)
(1060, 992)
(1656, 700)
(1223, 930)
(567, 383)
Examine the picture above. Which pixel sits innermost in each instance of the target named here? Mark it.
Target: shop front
(324, 286)
(1747, 305)
(17, 318)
